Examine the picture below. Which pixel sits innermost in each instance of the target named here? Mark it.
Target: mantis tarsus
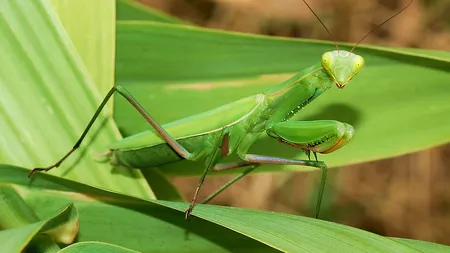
(235, 127)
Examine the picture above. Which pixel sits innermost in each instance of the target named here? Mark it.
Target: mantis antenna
(378, 26)
(365, 36)
(331, 37)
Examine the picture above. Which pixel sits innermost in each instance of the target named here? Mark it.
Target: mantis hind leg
(283, 161)
(178, 148)
(83, 135)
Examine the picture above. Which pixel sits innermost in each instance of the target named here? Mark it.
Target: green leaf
(93, 35)
(132, 10)
(161, 186)
(95, 247)
(429, 247)
(130, 222)
(398, 103)
(16, 239)
(433, 53)
(48, 95)
(126, 221)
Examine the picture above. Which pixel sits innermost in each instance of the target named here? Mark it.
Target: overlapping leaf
(159, 226)
(132, 10)
(48, 95)
(15, 238)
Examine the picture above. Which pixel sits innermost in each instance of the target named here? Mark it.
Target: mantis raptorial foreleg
(321, 136)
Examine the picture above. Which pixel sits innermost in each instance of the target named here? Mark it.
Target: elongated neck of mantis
(286, 99)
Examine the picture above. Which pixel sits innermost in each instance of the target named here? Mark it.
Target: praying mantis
(235, 127)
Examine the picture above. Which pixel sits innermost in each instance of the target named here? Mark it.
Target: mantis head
(342, 65)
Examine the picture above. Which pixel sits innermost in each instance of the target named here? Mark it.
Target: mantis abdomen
(160, 154)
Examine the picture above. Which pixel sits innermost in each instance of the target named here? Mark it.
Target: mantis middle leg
(253, 161)
(322, 136)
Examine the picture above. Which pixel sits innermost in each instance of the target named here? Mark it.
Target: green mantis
(235, 127)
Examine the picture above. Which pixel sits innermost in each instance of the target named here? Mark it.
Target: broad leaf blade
(135, 221)
(93, 35)
(16, 239)
(429, 247)
(95, 247)
(290, 233)
(125, 221)
(132, 10)
(48, 97)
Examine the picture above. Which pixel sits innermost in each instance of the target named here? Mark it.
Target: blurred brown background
(407, 196)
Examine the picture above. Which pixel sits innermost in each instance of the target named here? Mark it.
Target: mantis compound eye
(358, 63)
(327, 60)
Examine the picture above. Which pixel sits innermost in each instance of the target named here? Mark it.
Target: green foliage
(58, 67)
(158, 226)
(132, 10)
(46, 88)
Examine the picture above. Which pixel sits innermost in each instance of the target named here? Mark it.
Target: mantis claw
(188, 212)
(307, 153)
(57, 164)
(191, 206)
(35, 170)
